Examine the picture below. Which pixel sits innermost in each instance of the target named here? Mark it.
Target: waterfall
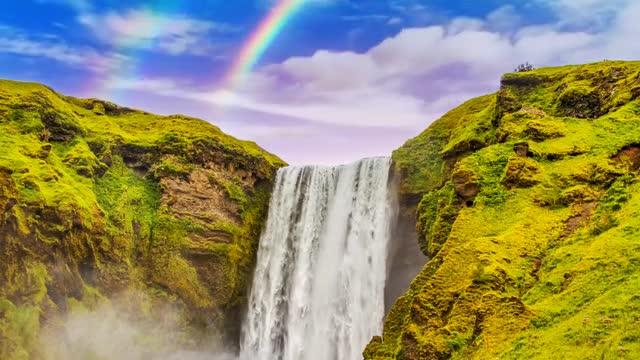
(318, 289)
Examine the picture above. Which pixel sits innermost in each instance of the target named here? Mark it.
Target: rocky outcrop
(531, 226)
(99, 201)
(521, 173)
(466, 185)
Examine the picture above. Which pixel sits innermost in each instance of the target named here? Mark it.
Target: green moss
(590, 311)
(543, 262)
(521, 172)
(19, 328)
(174, 167)
(463, 129)
(88, 192)
(438, 210)
(236, 193)
(98, 109)
(457, 342)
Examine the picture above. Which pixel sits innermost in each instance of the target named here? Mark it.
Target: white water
(318, 290)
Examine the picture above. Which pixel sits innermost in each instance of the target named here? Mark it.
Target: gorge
(513, 217)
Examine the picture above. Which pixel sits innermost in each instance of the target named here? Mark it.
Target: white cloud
(592, 13)
(585, 5)
(412, 12)
(396, 20)
(172, 34)
(15, 41)
(410, 79)
(504, 18)
(411, 76)
(462, 24)
(78, 5)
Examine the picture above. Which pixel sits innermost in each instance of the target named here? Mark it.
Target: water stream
(318, 290)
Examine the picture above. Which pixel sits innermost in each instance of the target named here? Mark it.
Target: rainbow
(259, 41)
(250, 53)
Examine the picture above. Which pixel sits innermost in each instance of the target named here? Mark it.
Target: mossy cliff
(529, 210)
(97, 201)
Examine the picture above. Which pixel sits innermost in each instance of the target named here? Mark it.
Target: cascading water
(318, 290)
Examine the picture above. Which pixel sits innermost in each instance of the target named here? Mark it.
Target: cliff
(528, 208)
(100, 202)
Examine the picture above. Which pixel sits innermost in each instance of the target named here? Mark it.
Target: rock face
(98, 201)
(521, 172)
(528, 208)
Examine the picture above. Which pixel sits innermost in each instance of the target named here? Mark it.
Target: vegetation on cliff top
(530, 216)
(98, 200)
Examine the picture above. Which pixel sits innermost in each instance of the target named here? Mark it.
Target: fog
(112, 333)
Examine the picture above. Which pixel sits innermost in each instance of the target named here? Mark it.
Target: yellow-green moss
(438, 210)
(86, 215)
(462, 130)
(543, 263)
(19, 327)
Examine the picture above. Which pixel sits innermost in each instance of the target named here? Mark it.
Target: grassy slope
(83, 215)
(544, 262)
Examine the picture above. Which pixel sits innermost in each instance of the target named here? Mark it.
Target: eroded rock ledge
(100, 201)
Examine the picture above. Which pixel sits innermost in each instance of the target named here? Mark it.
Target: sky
(341, 80)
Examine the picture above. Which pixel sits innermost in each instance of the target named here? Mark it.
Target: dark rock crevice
(405, 257)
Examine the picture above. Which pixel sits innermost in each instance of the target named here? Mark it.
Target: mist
(112, 332)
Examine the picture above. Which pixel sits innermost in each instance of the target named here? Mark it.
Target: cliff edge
(101, 204)
(529, 210)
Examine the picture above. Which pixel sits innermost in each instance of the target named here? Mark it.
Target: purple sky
(346, 79)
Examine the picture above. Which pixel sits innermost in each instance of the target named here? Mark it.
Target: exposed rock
(521, 149)
(466, 185)
(532, 111)
(8, 191)
(629, 156)
(59, 127)
(44, 151)
(540, 131)
(548, 241)
(197, 197)
(506, 103)
(582, 215)
(98, 200)
(580, 103)
(438, 211)
(562, 153)
(521, 173)
(523, 80)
